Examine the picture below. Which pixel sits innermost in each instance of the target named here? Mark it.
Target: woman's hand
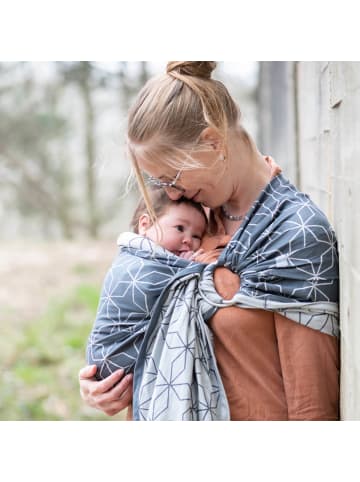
(110, 395)
(207, 257)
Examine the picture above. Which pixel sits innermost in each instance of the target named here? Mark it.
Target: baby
(179, 227)
(149, 258)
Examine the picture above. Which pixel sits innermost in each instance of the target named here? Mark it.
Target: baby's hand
(191, 255)
(196, 254)
(207, 257)
(202, 256)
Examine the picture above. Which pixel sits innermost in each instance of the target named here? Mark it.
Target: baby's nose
(187, 240)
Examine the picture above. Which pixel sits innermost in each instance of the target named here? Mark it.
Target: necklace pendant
(231, 217)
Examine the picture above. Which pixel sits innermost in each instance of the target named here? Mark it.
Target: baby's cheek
(196, 244)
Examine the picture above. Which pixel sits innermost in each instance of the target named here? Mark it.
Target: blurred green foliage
(39, 380)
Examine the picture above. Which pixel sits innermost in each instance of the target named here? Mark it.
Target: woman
(277, 349)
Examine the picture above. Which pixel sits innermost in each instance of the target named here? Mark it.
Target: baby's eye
(180, 228)
(196, 236)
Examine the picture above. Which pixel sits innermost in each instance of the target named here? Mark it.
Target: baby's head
(179, 224)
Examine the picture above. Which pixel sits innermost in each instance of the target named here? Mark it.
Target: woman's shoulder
(289, 197)
(297, 215)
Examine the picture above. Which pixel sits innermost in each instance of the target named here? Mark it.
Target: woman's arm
(110, 395)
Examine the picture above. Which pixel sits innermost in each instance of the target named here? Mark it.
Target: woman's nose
(173, 194)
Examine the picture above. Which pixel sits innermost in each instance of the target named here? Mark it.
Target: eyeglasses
(153, 181)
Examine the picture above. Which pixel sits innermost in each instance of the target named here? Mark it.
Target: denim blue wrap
(154, 305)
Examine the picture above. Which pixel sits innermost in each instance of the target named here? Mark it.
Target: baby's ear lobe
(144, 224)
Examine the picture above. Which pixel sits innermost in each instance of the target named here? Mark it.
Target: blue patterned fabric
(154, 306)
(130, 296)
(285, 253)
(176, 376)
(129, 293)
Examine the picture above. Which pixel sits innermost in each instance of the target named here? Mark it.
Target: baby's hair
(160, 202)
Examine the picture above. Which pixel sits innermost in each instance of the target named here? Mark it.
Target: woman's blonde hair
(170, 113)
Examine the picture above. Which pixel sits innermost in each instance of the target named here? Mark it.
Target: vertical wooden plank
(325, 140)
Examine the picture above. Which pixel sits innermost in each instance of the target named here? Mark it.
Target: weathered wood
(317, 121)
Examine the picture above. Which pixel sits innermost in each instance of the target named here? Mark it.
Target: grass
(40, 369)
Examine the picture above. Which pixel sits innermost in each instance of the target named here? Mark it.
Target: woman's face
(206, 185)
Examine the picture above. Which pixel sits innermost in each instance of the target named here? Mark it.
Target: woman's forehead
(163, 162)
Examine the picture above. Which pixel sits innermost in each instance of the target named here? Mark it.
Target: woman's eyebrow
(166, 177)
(162, 176)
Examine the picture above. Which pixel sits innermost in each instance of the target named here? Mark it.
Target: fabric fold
(155, 306)
(285, 254)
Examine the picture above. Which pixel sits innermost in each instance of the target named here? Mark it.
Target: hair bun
(196, 69)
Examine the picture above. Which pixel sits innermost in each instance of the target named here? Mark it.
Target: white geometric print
(154, 305)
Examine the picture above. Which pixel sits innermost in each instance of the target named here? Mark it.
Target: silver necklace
(231, 216)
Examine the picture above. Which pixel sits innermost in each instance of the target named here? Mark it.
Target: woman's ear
(144, 224)
(212, 138)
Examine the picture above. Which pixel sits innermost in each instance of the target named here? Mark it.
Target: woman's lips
(194, 198)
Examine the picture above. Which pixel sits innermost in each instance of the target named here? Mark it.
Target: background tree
(29, 129)
(62, 164)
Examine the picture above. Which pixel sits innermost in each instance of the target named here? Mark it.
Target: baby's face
(179, 229)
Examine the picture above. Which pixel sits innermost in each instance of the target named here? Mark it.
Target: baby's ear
(144, 224)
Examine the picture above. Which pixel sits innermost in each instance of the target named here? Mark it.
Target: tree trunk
(90, 149)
